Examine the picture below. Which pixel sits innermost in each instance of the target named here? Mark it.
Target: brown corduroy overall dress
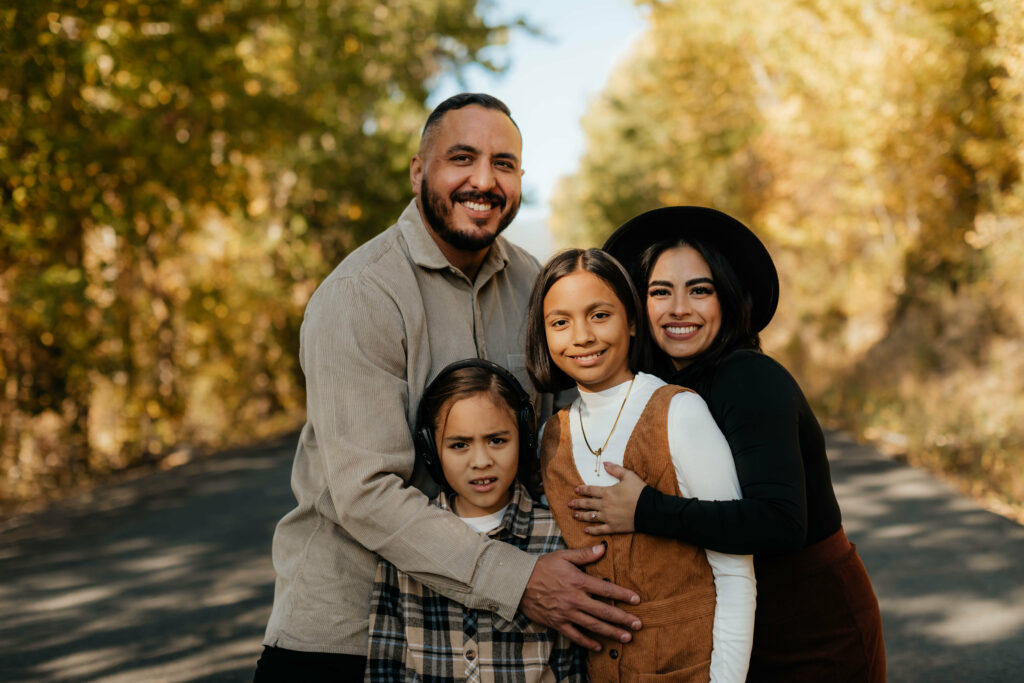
(672, 578)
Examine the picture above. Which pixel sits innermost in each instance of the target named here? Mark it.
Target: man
(436, 287)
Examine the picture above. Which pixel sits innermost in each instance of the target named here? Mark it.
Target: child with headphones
(476, 434)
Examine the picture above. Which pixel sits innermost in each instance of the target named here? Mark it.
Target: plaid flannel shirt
(418, 634)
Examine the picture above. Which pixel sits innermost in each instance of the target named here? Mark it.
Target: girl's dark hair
(473, 380)
(736, 330)
(545, 374)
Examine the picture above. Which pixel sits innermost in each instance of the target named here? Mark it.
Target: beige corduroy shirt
(377, 330)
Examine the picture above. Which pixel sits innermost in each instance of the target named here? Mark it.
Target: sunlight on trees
(175, 179)
(877, 147)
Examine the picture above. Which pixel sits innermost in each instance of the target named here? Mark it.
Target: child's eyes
(458, 445)
(558, 323)
(498, 441)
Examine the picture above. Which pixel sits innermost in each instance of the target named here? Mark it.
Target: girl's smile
(587, 331)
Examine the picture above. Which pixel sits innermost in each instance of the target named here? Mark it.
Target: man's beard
(438, 210)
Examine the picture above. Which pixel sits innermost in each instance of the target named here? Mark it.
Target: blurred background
(177, 177)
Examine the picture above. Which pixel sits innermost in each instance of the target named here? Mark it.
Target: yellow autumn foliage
(877, 149)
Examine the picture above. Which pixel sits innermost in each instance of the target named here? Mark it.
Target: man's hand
(614, 507)
(559, 595)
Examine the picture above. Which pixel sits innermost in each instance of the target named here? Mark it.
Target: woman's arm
(757, 405)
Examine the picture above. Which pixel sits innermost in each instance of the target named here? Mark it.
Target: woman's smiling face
(682, 305)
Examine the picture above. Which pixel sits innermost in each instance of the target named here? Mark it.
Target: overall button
(614, 654)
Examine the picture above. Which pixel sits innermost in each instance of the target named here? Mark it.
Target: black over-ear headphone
(423, 436)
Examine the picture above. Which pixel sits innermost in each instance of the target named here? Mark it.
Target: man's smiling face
(467, 177)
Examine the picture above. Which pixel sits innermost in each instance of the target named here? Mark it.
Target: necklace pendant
(598, 452)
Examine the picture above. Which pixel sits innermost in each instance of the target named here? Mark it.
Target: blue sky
(549, 83)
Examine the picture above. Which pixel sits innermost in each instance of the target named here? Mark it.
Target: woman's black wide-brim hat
(744, 251)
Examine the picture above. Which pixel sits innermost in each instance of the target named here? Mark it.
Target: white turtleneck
(705, 469)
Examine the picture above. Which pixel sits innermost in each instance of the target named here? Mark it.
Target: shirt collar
(426, 254)
(517, 517)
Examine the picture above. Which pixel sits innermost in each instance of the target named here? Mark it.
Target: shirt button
(470, 655)
(614, 654)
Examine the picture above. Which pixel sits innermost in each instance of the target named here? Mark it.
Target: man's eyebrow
(507, 155)
(462, 148)
(470, 149)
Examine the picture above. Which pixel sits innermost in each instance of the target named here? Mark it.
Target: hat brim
(744, 251)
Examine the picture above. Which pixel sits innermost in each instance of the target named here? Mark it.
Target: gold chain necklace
(599, 451)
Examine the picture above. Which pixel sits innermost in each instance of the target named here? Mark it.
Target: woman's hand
(612, 506)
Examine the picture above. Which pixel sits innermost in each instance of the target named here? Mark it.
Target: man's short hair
(458, 102)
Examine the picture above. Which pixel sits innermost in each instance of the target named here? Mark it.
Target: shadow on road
(167, 577)
(949, 575)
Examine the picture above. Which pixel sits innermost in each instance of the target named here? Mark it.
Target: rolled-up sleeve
(354, 356)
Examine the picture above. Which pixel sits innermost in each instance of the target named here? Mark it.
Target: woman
(710, 287)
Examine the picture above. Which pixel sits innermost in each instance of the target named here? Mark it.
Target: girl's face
(479, 451)
(682, 305)
(588, 331)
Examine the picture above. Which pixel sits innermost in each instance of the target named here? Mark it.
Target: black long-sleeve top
(788, 502)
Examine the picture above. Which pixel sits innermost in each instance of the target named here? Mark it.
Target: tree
(176, 177)
(876, 147)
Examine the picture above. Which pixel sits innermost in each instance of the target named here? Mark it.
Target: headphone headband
(423, 436)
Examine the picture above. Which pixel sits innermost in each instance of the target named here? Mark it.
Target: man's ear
(416, 173)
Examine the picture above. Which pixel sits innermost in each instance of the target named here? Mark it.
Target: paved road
(167, 576)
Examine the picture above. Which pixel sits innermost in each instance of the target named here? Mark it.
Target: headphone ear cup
(528, 428)
(427, 451)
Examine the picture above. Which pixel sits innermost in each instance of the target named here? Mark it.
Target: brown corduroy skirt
(817, 617)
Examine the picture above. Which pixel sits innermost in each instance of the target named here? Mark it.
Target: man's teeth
(476, 206)
(686, 329)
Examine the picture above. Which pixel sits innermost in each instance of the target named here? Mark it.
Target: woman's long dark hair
(736, 330)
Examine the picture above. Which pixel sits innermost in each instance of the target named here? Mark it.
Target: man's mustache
(491, 198)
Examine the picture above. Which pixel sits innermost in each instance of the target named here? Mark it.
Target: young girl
(697, 607)
(476, 433)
